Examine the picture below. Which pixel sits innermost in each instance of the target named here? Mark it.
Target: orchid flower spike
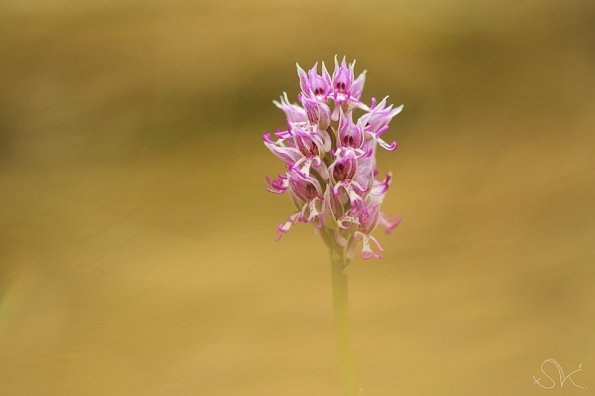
(329, 155)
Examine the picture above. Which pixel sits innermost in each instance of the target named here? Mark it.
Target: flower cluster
(330, 158)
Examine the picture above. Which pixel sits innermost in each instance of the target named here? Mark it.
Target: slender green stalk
(342, 323)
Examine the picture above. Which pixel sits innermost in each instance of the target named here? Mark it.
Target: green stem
(342, 324)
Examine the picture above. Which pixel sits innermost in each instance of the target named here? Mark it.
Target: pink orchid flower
(329, 154)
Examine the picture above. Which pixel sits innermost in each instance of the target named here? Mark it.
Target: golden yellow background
(136, 237)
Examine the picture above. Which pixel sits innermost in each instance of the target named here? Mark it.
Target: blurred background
(136, 236)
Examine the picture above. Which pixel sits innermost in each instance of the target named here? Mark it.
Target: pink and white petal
(304, 81)
(284, 227)
(367, 252)
(390, 223)
(347, 218)
(288, 155)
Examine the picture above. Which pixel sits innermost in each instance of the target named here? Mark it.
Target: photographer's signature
(550, 382)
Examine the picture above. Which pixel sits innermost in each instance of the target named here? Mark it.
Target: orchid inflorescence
(330, 159)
